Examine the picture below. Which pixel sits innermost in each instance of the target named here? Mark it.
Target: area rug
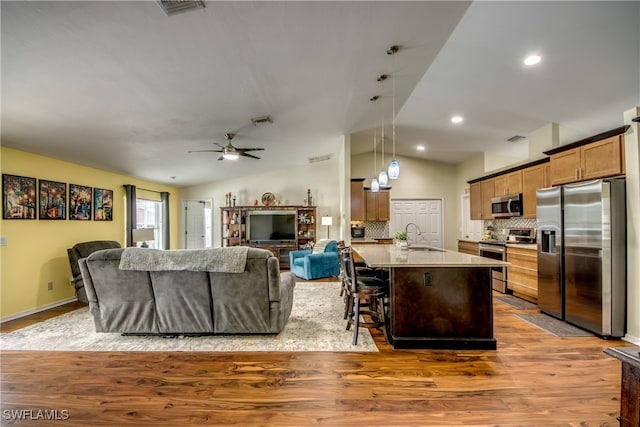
(316, 324)
(553, 326)
(517, 303)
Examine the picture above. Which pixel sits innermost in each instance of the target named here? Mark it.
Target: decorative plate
(268, 199)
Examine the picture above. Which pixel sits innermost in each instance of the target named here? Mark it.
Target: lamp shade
(375, 187)
(327, 220)
(383, 178)
(394, 169)
(143, 234)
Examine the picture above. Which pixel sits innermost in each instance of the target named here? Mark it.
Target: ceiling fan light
(230, 156)
(394, 169)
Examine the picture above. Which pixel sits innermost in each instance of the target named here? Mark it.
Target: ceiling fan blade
(204, 151)
(221, 158)
(219, 145)
(249, 155)
(250, 149)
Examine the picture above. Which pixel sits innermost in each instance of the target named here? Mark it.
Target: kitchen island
(439, 299)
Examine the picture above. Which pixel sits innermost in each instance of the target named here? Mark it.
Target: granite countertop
(356, 240)
(420, 256)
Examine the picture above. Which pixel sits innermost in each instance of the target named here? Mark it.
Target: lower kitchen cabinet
(467, 247)
(522, 274)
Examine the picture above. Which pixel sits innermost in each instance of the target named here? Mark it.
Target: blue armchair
(321, 261)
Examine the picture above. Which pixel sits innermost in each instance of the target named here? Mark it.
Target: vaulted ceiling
(123, 87)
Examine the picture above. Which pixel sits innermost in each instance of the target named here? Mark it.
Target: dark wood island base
(441, 308)
(439, 299)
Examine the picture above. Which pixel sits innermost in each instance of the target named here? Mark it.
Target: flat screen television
(271, 226)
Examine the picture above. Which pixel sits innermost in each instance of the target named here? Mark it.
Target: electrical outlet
(50, 286)
(3, 241)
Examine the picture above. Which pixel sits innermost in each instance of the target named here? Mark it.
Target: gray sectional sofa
(174, 300)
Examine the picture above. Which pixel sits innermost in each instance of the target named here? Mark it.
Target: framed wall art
(18, 197)
(80, 202)
(52, 198)
(102, 204)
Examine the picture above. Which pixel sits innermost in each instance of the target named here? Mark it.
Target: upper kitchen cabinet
(358, 200)
(378, 206)
(533, 178)
(480, 194)
(524, 178)
(475, 200)
(599, 156)
(488, 192)
(509, 183)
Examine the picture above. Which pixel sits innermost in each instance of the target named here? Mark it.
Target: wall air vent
(171, 7)
(264, 120)
(318, 159)
(517, 138)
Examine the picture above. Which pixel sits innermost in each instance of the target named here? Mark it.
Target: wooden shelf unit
(234, 229)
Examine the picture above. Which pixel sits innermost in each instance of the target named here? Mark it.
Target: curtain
(131, 220)
(164, 196)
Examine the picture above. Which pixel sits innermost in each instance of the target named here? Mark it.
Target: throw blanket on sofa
(225, 260)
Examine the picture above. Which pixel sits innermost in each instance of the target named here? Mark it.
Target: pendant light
(375, 186)
(394, 166)
(383, 178)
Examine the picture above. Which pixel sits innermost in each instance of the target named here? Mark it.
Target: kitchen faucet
(406, 229)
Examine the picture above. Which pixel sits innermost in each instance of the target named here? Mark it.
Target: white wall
(420, 179)
(632, 157)
(288, 185)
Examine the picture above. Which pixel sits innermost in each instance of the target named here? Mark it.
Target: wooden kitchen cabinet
(594, 160)
(358, 200)
(475, 200)
(533, 178)
(488, 192)
(466, 247)
(522, 274)
(378, 206)
(509, 183)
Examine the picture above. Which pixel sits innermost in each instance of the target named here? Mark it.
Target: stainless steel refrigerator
(582, 255)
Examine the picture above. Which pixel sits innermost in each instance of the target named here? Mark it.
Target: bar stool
(364, 297)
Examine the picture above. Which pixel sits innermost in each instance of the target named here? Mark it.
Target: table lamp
(143, 235)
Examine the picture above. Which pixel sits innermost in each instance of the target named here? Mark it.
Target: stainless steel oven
(496, 250)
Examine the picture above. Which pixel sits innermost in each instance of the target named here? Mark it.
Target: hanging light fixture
(394, 166)
(375, 186)
(383, 178)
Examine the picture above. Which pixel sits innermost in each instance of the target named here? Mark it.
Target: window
(149, 215)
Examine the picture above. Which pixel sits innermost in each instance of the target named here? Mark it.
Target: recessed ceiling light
(532, 59)
(456, 119)
(420, 148)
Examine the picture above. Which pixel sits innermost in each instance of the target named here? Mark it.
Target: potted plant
(401, 240)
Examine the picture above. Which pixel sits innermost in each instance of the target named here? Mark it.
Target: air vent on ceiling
(171, 7)
(264, 120)
(319, 158)
(516, 138)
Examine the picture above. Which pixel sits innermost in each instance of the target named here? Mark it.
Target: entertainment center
(280, 229)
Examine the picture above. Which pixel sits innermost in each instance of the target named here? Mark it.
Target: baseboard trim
(38, 310)
(632, 339)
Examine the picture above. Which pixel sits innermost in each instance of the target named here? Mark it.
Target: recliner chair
(83, 250)
(321, 261)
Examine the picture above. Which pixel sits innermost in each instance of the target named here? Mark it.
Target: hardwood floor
(533, 379)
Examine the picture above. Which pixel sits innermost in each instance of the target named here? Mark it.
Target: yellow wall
(36, 251)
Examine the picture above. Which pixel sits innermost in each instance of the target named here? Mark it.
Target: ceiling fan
(229, 152)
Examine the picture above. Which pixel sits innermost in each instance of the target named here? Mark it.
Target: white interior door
(196, 228)
(471, 228)
(426, 214)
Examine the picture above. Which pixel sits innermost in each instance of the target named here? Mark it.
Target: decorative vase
(403, 245)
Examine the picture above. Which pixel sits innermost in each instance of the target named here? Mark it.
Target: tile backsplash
(376, 229)
(501, 226)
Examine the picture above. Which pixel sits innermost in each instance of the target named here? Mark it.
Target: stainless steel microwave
(506, 206)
